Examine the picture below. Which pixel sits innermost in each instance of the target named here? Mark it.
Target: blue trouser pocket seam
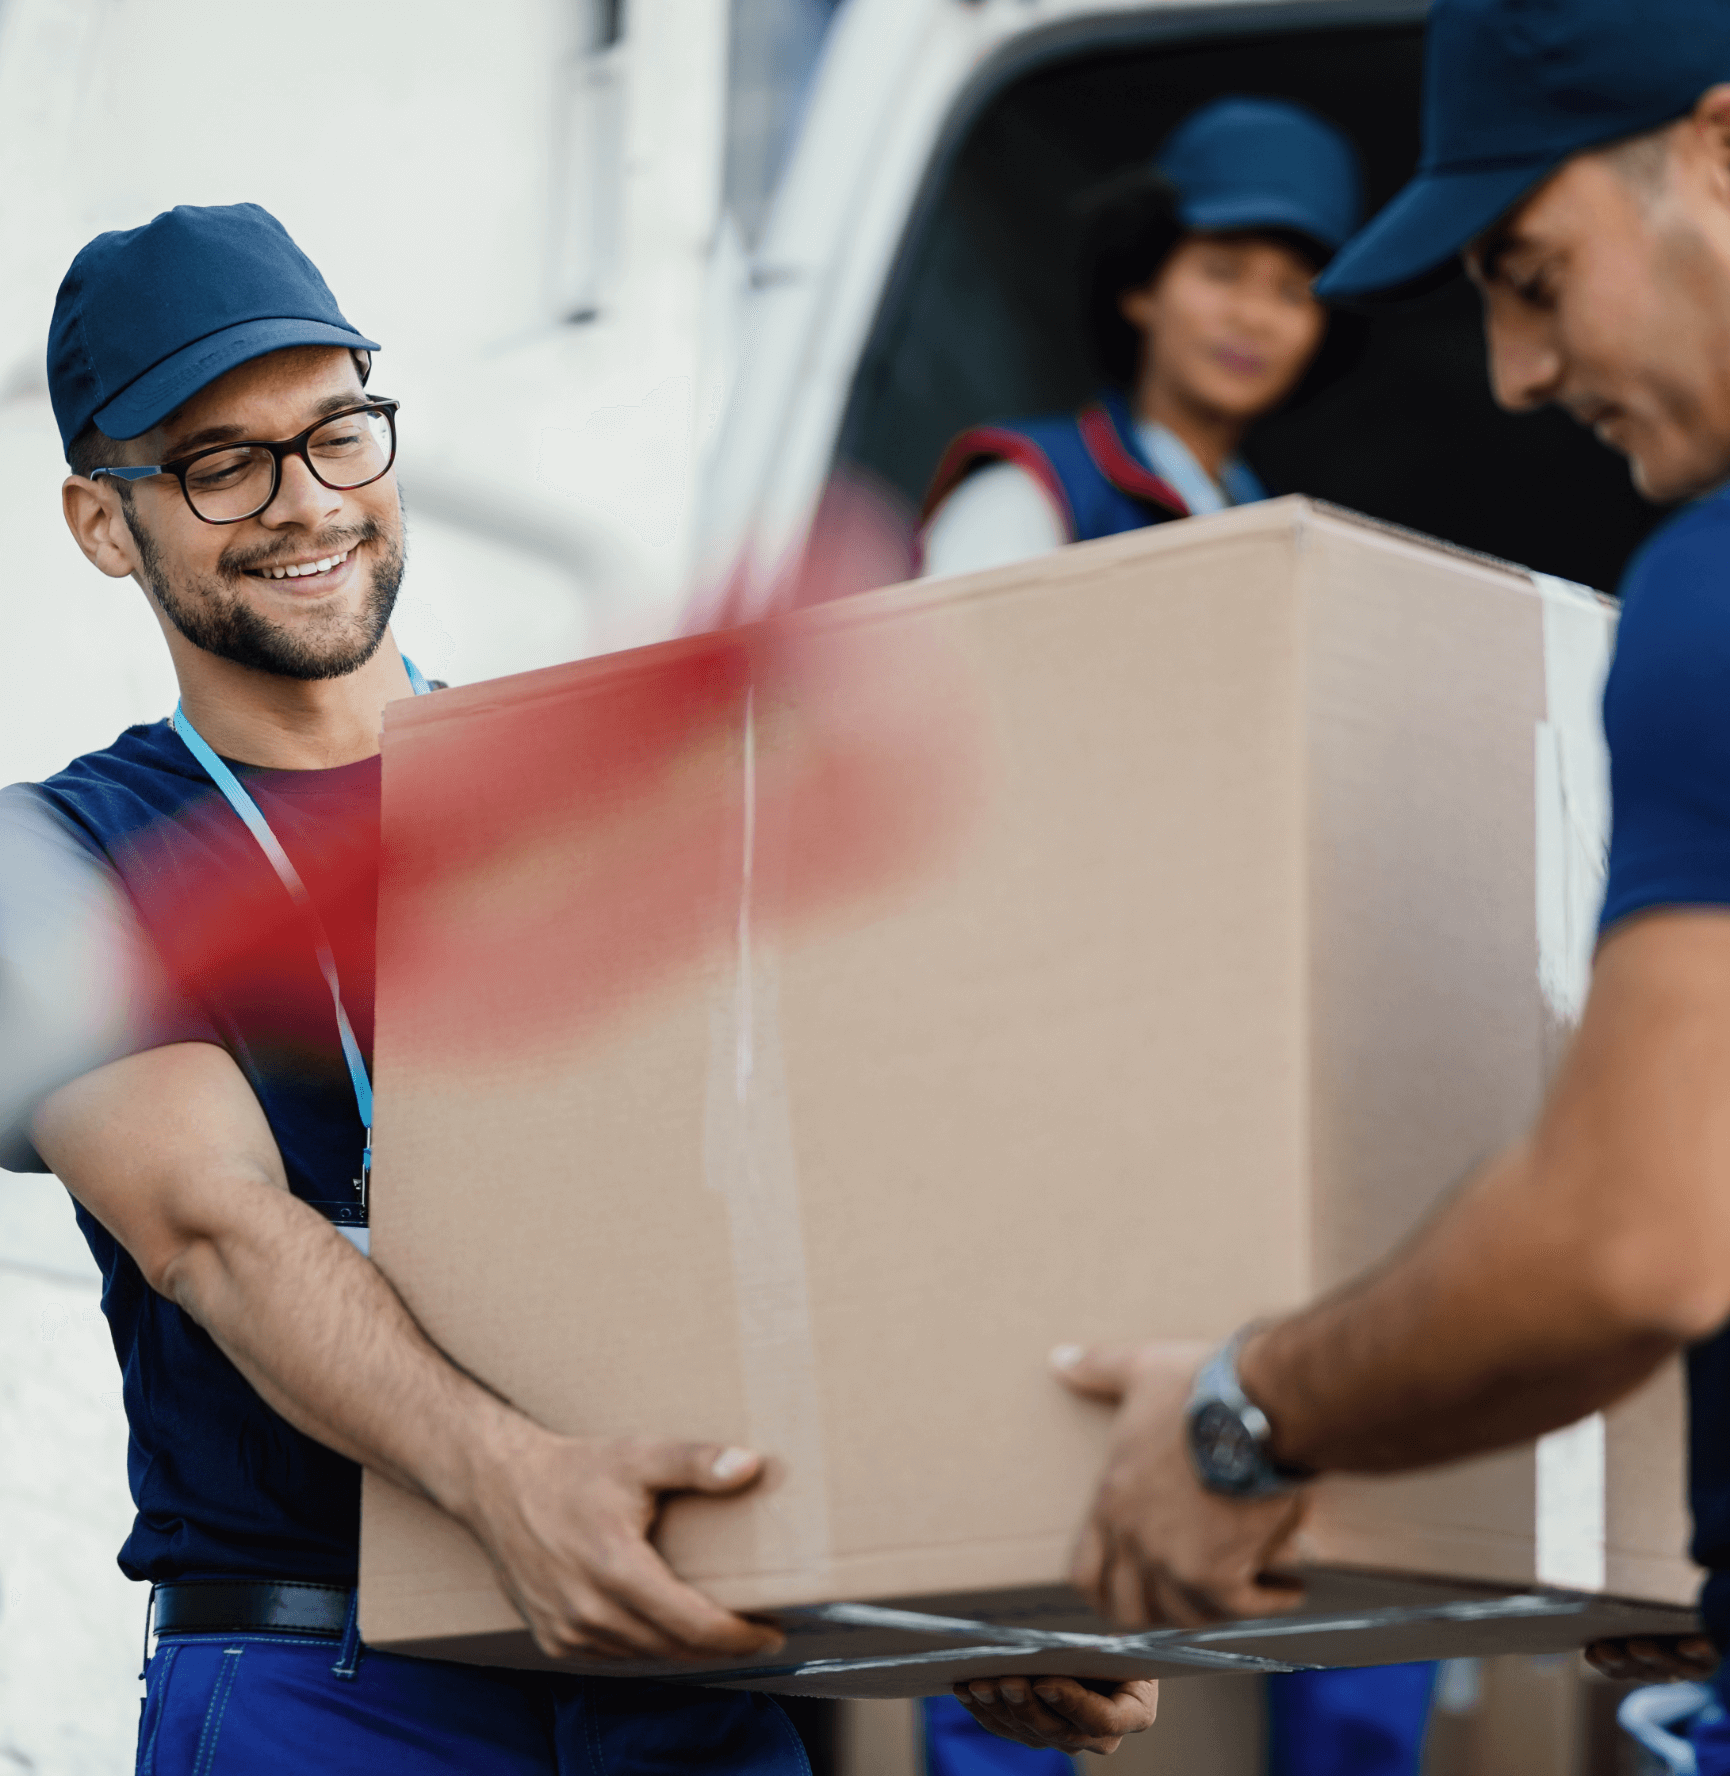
(347, 1664)
(591, 1735)
(158, 1693)
(218, 1707)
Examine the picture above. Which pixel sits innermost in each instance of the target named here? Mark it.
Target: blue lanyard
(271, 846)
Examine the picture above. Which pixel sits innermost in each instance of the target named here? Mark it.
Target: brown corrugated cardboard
(1232, 966)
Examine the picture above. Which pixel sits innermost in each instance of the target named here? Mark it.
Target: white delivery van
(915, 274)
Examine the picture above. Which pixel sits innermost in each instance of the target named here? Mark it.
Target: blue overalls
(1320, 1723)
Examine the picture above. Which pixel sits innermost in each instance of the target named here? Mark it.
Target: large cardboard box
(1246, 897)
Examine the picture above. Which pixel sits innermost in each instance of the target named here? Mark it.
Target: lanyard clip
(364, 1182)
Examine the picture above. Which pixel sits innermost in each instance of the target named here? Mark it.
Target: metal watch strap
(1230, 1436)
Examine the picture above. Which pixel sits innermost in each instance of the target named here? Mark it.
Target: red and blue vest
(1090, 463)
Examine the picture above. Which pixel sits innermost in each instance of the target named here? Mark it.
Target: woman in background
(1196, 274)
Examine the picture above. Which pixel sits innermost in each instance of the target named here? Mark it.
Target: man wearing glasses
(226, 455)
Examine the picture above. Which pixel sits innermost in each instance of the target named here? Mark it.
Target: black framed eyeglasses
(230, 482)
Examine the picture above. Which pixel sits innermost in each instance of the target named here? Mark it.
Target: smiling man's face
(1608, 292)
(225, 587)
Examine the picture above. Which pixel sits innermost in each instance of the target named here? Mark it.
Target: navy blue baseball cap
(1512, 88)
(146, 317)
(1264, 163)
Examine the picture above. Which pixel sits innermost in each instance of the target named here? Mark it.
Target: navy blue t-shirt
(1667, 718)
(223, 1485)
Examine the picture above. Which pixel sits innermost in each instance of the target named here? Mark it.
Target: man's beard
(213, 615)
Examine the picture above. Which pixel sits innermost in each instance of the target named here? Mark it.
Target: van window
(980, 319)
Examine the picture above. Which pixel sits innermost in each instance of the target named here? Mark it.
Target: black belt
(232, 1606)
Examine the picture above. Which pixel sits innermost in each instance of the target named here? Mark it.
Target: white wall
(418, 150)
(71, 1628)
(423, 153)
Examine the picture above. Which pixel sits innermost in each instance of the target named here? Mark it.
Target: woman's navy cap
(147, 317)
(1512, 88)
(1264, 163)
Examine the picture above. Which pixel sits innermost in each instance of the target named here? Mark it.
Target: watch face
(1224, 1450)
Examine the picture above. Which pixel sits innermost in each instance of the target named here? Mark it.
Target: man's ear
(1711, 121)
(98, 526)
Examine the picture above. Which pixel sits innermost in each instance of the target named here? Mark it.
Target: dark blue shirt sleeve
(1667, 719)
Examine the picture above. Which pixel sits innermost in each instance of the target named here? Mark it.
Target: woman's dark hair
(1129, 228)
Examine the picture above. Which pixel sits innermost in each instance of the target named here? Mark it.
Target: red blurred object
(604, 817)
(862, 536)
(594, 830)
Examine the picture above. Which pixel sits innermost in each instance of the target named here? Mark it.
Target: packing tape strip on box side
(748, 1160)
(1572, 816)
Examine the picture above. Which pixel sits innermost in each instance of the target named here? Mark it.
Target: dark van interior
(980, 318)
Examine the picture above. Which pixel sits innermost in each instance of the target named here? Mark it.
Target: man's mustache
(334, 542)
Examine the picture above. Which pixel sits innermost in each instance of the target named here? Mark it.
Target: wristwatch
(1230, 1437)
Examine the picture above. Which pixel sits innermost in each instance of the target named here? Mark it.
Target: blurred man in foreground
(1578, 155)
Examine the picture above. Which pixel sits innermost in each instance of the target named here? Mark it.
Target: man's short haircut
(1642, 160)
(1129, 228)
(94, 449)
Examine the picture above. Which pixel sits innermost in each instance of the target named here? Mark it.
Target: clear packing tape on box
(1572, 783)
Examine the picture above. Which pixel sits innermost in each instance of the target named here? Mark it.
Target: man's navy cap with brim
(1243, 163)
(1512, 88)
(148, 316)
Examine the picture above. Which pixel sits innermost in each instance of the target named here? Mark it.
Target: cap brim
(1225, 214)
(149, 399)
(1426, 225)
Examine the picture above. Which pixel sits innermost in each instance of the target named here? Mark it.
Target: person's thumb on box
(698, 1467)
(1100, 1371)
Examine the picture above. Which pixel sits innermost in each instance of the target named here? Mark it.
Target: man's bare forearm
(326, 1341)
(170, 1151)
(1549, 1285)
(1568, 1268)
(1485, 1331)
